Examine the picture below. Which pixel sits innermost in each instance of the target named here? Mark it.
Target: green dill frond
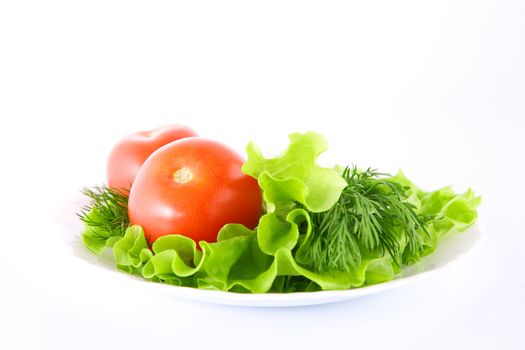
(372, 214)
(107, 212)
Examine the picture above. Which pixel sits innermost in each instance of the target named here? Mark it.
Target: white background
(434, 87)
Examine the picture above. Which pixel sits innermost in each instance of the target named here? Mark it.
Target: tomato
(129, 154)
(193, 187)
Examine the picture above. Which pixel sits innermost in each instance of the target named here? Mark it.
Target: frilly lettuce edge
(450, 212)
(294, 176)
(236, 262)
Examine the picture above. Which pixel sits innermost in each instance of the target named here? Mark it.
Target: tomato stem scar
(183, 175)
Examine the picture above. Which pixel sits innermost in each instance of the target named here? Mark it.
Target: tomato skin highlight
(193, 187)
(128, 155)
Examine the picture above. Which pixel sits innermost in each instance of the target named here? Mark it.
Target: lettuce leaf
(98, 237)
(132, 251)
(294, 176)
(451, 212)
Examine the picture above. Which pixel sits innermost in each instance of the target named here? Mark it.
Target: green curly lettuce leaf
(131, 252)
(450, 212)
(294, 176)
(98, 237)
(96, 243)
(234, 263)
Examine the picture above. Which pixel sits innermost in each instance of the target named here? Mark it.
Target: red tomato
(129, 154)
(193, 187)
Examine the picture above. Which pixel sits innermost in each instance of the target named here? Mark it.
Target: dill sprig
(107, 212)
(372, 215)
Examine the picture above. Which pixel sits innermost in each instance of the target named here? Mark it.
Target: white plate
(452, 249)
